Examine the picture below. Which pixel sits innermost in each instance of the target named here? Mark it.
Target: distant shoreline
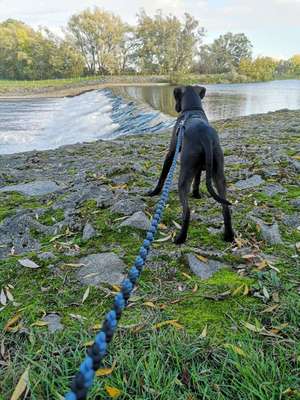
(56, 88)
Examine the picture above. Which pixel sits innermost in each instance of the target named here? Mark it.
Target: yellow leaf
(186, 275)
(116, 288)
(204, 332)
(88, 344)
(176, 325)
(112, 392)
(149, 304)
(236, 349)
(162, 226)
(164, 323)
(195, 288)
(246, 290)
(201, 258)
(12, 322)
(106, 371)
(238, 290)
(40, 323)
(21, 386)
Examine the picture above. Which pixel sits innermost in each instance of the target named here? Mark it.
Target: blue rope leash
(83, 380)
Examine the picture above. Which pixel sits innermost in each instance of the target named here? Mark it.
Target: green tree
(165, 44)
(98, 35)
(225, 53)
(260, 69)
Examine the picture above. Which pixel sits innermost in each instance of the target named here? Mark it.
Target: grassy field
(57, 87)
(236, 335)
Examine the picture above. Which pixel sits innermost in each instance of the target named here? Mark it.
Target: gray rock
(292, 220)
(249, 183)
(128, 206)
(138, 220)
(122, 179)
(53, 321)
(105, 198)
(201, 269)
(88, 232)
(101, 268)
(272, 189)
(295, 203)
(46, 256)
(35, 188)
(270, 233)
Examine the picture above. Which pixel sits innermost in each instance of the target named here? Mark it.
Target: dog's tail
(207, 144)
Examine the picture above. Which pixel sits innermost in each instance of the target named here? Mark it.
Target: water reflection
(224, 100)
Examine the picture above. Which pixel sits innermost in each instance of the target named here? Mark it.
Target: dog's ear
(178, 91)
(201, 91)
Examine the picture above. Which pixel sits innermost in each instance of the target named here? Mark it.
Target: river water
(105, 114)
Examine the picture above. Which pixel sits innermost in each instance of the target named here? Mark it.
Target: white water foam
(47, 124)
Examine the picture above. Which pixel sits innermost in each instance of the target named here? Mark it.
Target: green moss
(10, 201)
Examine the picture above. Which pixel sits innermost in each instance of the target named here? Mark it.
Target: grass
(238, 334)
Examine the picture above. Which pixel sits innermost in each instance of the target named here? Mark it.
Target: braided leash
(83, 380)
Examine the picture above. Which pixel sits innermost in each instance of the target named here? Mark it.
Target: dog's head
(188, 97)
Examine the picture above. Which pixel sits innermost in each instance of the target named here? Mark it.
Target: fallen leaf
(9, 295)
(116, 288)
(106, 371)
(251, 327)
(266, 293)
(25, 262)
(270, 309)
(149, 304)
(201, 258)
(186, 275)
(164, 239)
(246, 290)
(3, 299)
(238, 290)
(21, 385)
(162, 226)
(204, 332)
(235, 349)
(40, 323)
(195, 288)
(176, 225)
(164, 323)
(86, 295)
(112, 392)
(12, 322)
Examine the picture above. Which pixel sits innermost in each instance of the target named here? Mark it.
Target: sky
(273, 26)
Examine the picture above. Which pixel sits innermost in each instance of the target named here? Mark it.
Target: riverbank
(187, 333)
(72, 87)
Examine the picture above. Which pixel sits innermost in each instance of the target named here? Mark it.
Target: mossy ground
(239, 336)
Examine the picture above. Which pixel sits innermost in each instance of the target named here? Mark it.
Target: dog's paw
(196, 195)
(229, 236)
(180, 239)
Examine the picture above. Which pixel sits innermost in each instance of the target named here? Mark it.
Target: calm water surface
(49, 123)
(225, 100)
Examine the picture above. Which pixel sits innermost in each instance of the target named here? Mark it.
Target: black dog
(200, 150)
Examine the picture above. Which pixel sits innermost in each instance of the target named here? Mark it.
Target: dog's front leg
(164, 173)
(167, 165)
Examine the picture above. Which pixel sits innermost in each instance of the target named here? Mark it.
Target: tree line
(97, 42)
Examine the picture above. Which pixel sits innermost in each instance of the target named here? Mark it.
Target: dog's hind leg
(184, 187)
(220, 182)
(196, 185)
